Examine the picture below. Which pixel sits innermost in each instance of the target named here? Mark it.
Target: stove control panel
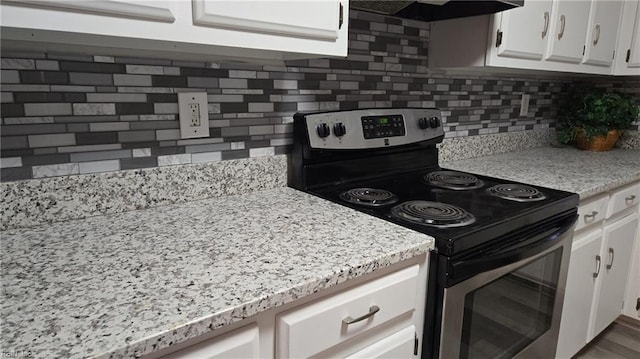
(372, 128)
(383, 126)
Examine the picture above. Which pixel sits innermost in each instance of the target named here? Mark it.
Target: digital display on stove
(383, 126)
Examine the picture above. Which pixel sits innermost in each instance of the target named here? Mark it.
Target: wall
(66, 114)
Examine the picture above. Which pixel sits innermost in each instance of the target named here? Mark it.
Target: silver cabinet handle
(372, 311)
(630, 198)
(597, 37)
(598, 260)
(563, 20)
(592, 215)
(611, 255)
(546, 24)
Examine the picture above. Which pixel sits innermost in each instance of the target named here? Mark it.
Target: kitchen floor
(621, 340)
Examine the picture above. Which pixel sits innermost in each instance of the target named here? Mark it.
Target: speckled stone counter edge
(32, 202)
(218, 320)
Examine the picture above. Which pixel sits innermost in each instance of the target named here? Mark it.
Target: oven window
(504, 316)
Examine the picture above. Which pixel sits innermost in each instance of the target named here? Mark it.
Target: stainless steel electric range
(498, 271)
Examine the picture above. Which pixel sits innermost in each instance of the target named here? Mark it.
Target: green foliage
(595, 113)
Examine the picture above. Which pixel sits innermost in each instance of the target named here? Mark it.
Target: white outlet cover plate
(186, 128)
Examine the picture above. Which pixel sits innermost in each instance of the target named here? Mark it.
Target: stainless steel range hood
(432, 10)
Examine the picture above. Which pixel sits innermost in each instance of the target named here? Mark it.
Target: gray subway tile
(15, 174)
(96, 138)
(177, 159)
(260, 130)
(81, 78)
(165, 108)
(89, 109)
(233, 83)
(99, 166)
(14, 142)
(154, 125)
(18, 64)
(202, 82)
(9, 77)
(235, 131)
(207, 148)
(131, 80)
(100, 155)
(8, 162)
(28, 120)
(47, 109)
(72, 88)
(137, 136)
(45, 159)
(139, 162)
(145, 69)
(116, 97)
(62, 139)
(47, 65)
(89, 148)
(261, 107)
(32, 129)
(206, 157)
(165, 135)
(108, 126)
(62, 169)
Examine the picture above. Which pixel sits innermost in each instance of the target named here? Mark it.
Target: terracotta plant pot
(597, 143)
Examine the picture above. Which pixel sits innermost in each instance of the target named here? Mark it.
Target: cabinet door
(616, 256)
(288, 17)
(240, 343)
(568, 30)
(398, 345)
(634, 49)
(525, 30)
(585, 267)
(603, 32)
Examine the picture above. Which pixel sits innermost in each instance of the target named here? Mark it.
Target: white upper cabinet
(198, 29)
(568, 30)
(524, 31)
(271, 17)
(547, 35)
(627, 61)
(602, 32)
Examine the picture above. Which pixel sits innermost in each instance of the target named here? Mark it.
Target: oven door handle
(466, 267)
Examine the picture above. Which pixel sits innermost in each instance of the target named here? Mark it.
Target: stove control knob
(434, 122)
(423, 123)
(323, 130)
(339, 130)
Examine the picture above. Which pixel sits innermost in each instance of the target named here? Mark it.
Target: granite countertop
(564, 168)
(127, 284)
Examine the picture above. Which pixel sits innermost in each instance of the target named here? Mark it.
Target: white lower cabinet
(240, 343)
(584, 270)
(377, 316)
(600, 267)
(616, 256)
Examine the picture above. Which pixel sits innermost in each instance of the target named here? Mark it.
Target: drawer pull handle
(611, 255)
(563, 20)
(372, 311)
(598, 260)
(591, 215)
(631, 198)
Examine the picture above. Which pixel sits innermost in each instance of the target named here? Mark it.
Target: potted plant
(595, 120)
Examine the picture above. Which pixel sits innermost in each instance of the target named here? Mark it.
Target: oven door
(512, 311)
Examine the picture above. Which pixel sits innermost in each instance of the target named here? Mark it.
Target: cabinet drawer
(592, 211)
(313, 328)
(398, 345)
(623, 199)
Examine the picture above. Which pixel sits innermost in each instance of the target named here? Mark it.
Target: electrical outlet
(194, 111)
(524, 104)
(194, 117)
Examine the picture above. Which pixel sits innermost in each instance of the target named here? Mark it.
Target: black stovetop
(495, 216)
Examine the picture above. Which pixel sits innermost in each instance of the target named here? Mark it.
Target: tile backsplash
(72, 114)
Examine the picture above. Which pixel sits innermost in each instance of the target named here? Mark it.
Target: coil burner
(371, 197)
(453, 180)
(436, 214)
(516, 192)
